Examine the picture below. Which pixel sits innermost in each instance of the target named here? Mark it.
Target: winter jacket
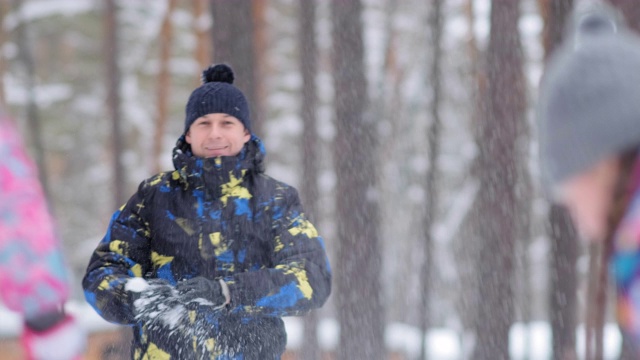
(625, 264)
(33, 277)
(221, 218)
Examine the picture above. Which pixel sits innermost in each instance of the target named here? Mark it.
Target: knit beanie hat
(589, 106)
(217, 95)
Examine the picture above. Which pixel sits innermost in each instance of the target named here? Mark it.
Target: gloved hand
(204, 291)
(62, 340)
(155, 301)
(144, 292)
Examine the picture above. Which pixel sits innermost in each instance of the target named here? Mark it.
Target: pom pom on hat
(218, 73)
(595, 18)
(217, 94)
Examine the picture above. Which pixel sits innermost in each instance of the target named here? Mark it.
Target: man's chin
(216, 153)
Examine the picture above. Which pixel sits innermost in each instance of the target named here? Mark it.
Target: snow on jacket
(33, 277)
(221, 218)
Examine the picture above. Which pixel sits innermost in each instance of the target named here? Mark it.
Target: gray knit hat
(217, 95)
(589, 106)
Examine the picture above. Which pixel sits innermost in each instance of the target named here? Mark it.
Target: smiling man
(203, 261)
(217, 134)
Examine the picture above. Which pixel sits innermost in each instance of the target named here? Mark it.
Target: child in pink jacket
(33, 278)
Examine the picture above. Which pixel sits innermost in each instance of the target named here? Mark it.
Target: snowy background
(66, 36)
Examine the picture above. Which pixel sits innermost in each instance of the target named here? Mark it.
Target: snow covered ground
(532, 342)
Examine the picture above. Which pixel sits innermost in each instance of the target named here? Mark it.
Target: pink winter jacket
(33, 278)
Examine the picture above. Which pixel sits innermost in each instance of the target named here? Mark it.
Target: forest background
(408, 126)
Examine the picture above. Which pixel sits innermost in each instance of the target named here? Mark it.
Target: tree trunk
(202, 30)
(360, 311)
(112, 53)
(524, 199)
(233, 43)
(504, 112)
(430, 185)
(467, 246)
(563, 284)
(4, 10)
(555, 15)
(563, 281)
(164, 84)
(260, 63)
(35, 127)
(308, 67)
(631, 12)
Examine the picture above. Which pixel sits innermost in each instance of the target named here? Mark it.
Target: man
(203, 261)
(589, 118)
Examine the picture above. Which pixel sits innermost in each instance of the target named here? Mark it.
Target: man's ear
(187, 136)
(247, 135)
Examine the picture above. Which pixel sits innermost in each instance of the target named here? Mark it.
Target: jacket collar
(212, 174)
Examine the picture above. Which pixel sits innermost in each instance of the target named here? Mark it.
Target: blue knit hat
(217, 95)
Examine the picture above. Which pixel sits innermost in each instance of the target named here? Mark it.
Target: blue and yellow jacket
(221, 218)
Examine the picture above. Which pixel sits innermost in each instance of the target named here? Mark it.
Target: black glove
(203, 291)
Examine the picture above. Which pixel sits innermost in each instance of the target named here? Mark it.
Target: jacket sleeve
(300, 279)
(33, 275)
(121, 255)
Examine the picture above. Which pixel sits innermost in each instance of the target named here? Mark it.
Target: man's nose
(215, 132)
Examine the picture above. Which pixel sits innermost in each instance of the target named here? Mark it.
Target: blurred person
(203, 261)
(33, 276)
(589, 122)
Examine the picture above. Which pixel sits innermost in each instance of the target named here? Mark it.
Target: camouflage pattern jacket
(221, 218)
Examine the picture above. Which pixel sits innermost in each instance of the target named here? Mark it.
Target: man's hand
(204, 292)
(156, 303)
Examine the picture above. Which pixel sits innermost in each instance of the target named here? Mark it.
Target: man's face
(216, 135)
(588, 197)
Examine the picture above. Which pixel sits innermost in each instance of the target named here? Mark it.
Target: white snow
(11, 322)
(136, 284)
(526, 342)
(173, 317)
(328, 333)
(45, 95)
(44, 8)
